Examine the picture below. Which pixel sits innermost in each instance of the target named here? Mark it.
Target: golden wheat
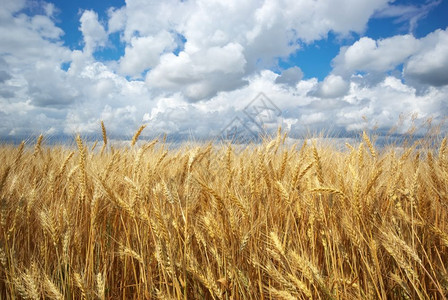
(211, 222)
(136, 135)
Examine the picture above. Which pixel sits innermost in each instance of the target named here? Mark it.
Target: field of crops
(275, 221)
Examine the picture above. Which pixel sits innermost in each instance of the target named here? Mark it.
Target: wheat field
(274, 221)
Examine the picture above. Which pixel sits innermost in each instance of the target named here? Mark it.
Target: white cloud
(333, 86)
(31, 55)
(263, 31)
(144, 52)
(430, 65)
(369, 55)
(347, 15)
(205, 62)
(24, 40)
(10, 7)
(49, 9)
(45, 27)
(425, 60)
(380, 105)
(202, 73)
(37, 95)
(49, 86)
(117, 19)
(144, 18)
(93, 32)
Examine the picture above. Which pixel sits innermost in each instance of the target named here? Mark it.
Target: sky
(207, 68)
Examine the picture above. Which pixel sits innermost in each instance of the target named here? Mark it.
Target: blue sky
(190, 68)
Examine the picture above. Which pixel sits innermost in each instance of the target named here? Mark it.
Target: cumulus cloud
(256, 33)
(203, 63)
(200, 74)
(333, 86)
(369, 55)
(10, 7)
(37, 95)
(92, 30)
(117, 19)
(45, 27)
(341, 16)
(290, 76)
(144, 52)
(31, 55)
(425, 60)
(145, 18)
(49, 87)
(25, 40)
(430, 64)
(359, 108)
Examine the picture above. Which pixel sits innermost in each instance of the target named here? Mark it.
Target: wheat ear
(317, 160)
(19, 153)
(37, 148)
(136, 135)
(52, 290)
(366, 139)
(82, 166)
(103, 131)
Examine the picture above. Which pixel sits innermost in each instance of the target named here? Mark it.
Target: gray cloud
(430, 64)
(5, 90)
(4, 76)
(333, 86)
(290, 76)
